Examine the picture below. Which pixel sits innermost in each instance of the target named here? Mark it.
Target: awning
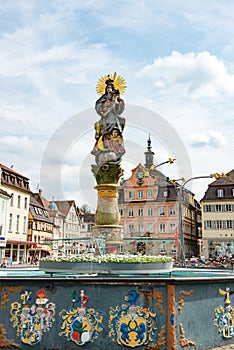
(37, 247)
(11, 241)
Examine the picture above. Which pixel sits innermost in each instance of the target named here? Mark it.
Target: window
(150, 194)
(162, 249)
(130, 195)
(10, 222)
(130, 212)
(12, 180)
(162, 228)
(12, 200)
(130, 228)
(229, 224)
(25, 203)
(17, 223)
(19, 200)
(162, 211)
(141, 228)
(121, 212)
(150, 228)
(219, 224)
(150, 211)
(165, 193)
(172, 228)
(25, 224)
(218, 207)
(5, 177)
(45, 213)
(3, 206)
(140, 194)
(208, 224)
(228, 207)
(172, 211)
(220, 192)
(232, 192)
(140, 212)
(207, 208)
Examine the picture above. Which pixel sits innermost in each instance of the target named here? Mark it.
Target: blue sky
(176, 57)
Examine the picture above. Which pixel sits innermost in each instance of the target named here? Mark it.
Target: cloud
(190, 75)
(15, 144)
(211, 138)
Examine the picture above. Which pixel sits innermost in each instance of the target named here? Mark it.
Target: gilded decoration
(158, 296)
(79, 324)
(185, 341)
(4, 342)
(182, 295)
(109, 145)
(32, 320)
(5, 292)
(131, 324)
(171, 316)
(224, 315)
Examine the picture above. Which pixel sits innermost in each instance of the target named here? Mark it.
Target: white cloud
(15, 144)
(211, 138)
(190, 75)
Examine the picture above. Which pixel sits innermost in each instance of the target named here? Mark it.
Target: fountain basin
(106, 267)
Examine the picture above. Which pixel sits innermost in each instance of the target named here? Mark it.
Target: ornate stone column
(108, 150)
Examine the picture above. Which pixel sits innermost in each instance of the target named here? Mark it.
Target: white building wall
(17, 218)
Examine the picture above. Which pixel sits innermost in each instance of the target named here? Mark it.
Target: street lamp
(180, 192)
(153, 167)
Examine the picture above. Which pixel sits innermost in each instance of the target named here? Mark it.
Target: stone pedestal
(107, 219)
(107, 212)
(111, 235)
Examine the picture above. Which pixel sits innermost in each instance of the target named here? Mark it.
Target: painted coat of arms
(32, 321)
(132, 325)
(80, 325)
(224, 315)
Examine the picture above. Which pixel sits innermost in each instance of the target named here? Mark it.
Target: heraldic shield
(79, 324)
(132, 325)
(32, 321)
(132, 328)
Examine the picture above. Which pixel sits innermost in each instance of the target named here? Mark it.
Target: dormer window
(220, 193)
(232, 192)
(5, 177)
(165, 193)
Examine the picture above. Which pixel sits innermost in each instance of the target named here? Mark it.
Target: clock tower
(149, 155)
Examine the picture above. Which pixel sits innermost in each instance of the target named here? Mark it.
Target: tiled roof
(4, 193)
(10, 170)
(38, 211)
(11, 178)
(226, 183)
(64, 206)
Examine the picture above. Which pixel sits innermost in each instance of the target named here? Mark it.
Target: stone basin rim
(106, 267)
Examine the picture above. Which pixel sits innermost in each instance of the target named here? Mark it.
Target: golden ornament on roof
(116, 80)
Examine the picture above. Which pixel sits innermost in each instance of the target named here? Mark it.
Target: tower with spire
(149, 155)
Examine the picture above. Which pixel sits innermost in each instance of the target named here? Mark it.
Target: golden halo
(119, 83)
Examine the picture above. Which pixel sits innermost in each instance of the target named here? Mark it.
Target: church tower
(149, 155)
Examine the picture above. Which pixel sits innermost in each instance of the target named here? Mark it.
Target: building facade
(40, 230)
(149, 207)
(17, 185)
(218, 217)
